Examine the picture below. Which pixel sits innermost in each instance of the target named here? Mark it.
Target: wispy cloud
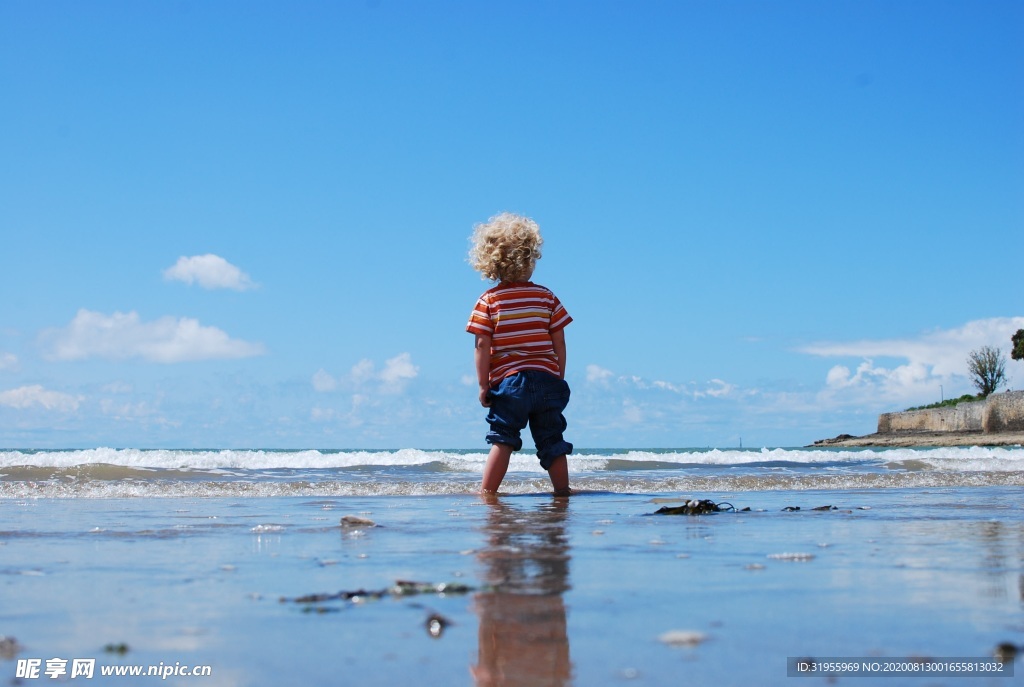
(933, 358)
(350, 417)
(370, 400)
(363, 371)
(944, 351)
(8, 361)
(714, 388)
(210, 272)
(598, 374)
(124, 336)
(393, 378)
(26, 397)
(323, 381)
(398, 371)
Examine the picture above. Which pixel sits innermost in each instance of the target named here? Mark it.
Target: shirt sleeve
(559, 316)
(480, 319)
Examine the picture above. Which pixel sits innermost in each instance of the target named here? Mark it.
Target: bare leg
(497, 466)
(559, 474)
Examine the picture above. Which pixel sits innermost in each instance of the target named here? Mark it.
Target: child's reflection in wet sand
(522, 635)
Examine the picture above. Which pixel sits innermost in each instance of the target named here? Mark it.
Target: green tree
(987, 367)
(1018, 345)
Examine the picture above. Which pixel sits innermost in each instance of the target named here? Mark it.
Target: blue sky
(234, 224)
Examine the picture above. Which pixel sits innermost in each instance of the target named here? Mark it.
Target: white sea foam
(1000, 459)
(235, 459)
(130, 473)
(625, 483)
(952, 458)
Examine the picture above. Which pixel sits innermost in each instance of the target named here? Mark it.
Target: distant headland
(998, 420)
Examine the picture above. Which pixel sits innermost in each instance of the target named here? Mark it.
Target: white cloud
(943, 351)
(126, 410)
(8, 361)
(632, 414)
(717, 389)
(28, 396)
(363, 371)
(398, 370)
(210, 272)
(598, 374)
(350, 418)
(118, 388)
(934, 358)
(123, 336)
(323, 381)
(322, 414)
(364, 376)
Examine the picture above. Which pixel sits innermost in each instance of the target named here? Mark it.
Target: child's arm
(558, 342)
(482, 357)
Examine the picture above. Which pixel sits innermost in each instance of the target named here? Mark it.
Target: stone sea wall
(1004, 413)
(998, 413)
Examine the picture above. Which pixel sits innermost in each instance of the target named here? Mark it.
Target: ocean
(127, 473)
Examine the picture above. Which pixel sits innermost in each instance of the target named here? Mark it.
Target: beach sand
(924, 439)
(590, 590)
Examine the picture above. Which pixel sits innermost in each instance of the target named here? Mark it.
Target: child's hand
(485, 400)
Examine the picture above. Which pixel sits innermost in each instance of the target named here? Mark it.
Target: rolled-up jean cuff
(515, 442)
(548, 454)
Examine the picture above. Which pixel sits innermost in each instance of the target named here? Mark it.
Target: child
(520, 350)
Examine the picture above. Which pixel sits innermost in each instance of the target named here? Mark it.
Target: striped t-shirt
(519, 317)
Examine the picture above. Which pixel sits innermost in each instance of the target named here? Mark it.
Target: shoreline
(923, 439)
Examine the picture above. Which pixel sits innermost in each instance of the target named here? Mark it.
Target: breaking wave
(131, 473)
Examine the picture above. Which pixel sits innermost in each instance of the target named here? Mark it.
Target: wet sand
(590, 590)
(924, 439)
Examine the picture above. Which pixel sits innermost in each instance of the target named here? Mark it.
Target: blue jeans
(531, 397)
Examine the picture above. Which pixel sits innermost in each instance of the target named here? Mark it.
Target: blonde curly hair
(506, 247)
